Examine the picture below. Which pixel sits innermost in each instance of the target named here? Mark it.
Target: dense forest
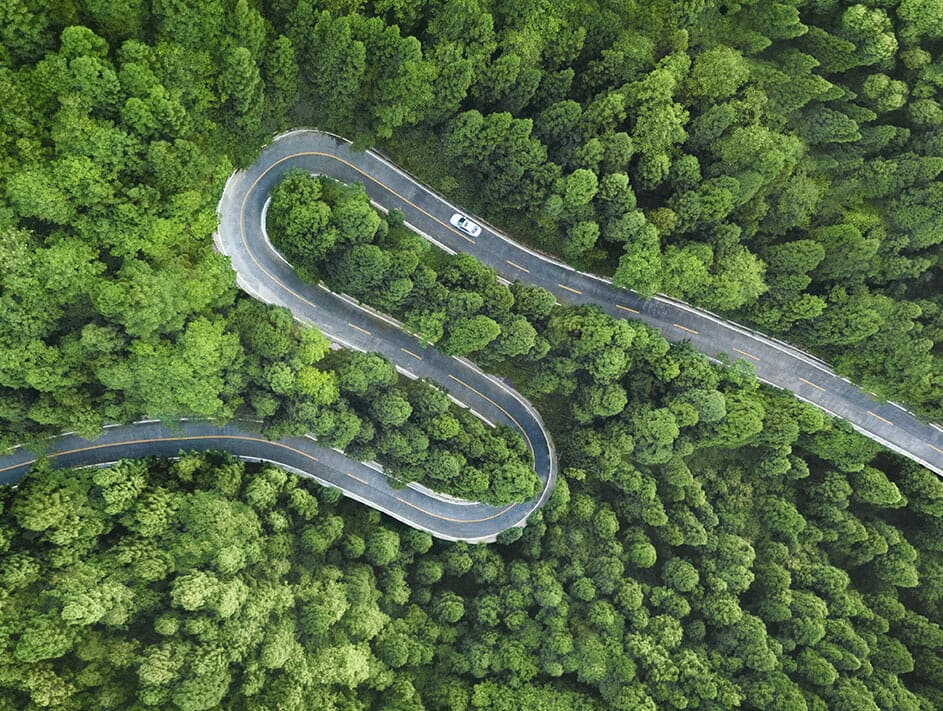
(774, 161)
(687, 559)
(711, 543)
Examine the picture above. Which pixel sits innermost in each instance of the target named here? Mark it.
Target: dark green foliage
(691, 500)
(711, 544)
(680, 146)
(720, 575)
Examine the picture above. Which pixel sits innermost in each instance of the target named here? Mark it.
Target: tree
(334, 64)
(241, 85)
(717, 74)
(396, 86)
(467, 335)
(280, 72)
(581, 239)
(383, 547)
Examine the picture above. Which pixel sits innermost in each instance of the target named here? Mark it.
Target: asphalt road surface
(263, 273)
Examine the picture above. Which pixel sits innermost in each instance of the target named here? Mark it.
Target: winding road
(262, 272)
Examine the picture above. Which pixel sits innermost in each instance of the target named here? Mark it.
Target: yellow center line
(152, 440)
(455, 520)
(569, 288)
(517, 266)
(809, 382)
(882, 419)
(509, 415)
(685, 328)
(744, 353)
(409, 352)
(626, 308)
(362, 330)
(357, 478)
(322, 154)
(934, 448)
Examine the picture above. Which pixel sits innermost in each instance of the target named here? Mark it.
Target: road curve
(776, 363)
(415, 506)
(263, 273)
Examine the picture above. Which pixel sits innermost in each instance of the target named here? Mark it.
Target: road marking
(279, 445)
(357, 478)
(517, 266)
(329, 156)
(409, 352)
(362, 330)
(152, 440)
(569, 288)
(626, 308)
(367, 176)
(882, 419)
(449, 518)
(685, 328)
(809, 382)
(935, 449)
(748, 355)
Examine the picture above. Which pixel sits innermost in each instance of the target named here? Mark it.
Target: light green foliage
(713, 545)
(717, 74)
(331, 229)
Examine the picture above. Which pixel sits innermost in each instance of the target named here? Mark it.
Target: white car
(465, 225)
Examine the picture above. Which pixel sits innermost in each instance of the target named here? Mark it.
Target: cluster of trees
(330, 231)
(192, 583)
(711, 543)
(111, 292)
(114, 304)
(358, 402)
(115, 142)
(777, 161)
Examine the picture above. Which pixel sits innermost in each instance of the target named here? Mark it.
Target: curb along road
(775, 362)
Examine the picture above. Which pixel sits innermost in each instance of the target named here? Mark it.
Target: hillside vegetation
(711, 543)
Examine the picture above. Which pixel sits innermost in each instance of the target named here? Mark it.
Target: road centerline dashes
(362, 330)
(748, 355)
(357, 478)
(376, 178)
(517, 266)
(882, 419)
(809, 382)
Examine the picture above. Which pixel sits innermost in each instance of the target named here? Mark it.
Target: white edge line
(271, 246)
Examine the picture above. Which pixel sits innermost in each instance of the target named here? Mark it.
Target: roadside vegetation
(715, 544)
(711, 543)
